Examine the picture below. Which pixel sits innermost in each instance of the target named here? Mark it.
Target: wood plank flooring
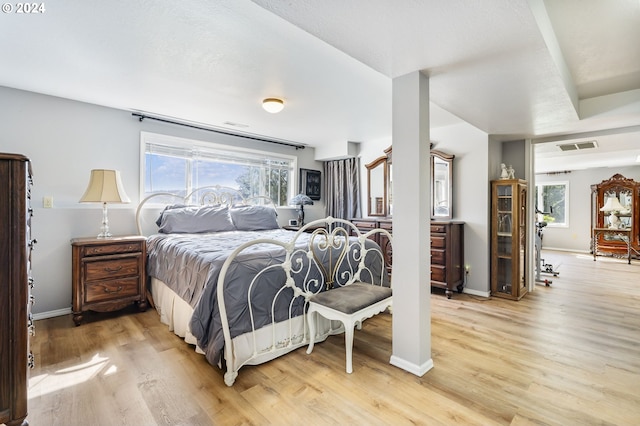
(567, 354)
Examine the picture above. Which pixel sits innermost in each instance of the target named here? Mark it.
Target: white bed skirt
(176, 314)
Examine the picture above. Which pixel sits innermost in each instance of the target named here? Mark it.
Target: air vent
(231, 123)
(578, 146)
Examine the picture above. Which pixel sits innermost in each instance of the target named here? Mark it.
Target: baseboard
(418, 370)
(566, 250)
(476, 292)
(51, 314)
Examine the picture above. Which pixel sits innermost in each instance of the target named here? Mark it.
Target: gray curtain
(342, 187)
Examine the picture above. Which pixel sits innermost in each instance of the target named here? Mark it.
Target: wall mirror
(441, 185)
(379, 185)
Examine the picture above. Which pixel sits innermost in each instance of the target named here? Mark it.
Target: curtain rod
(223, 132)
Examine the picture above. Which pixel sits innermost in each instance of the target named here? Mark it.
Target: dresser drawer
(119, 248)
(114, 268)
(111, 289)
(438, 241)
(438, 257)
(438, 273)
(438, 229)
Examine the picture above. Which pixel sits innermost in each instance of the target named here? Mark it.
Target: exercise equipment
(541, 266)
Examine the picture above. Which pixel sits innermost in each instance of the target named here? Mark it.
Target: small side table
(297, 228)
(108, 274)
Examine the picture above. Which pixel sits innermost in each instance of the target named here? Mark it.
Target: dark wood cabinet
(108, 274)
(447, 256)
(619, 237)
(15, 287)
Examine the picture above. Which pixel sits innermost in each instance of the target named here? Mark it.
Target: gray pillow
(196, 219)
(254, 218)
(169, 207)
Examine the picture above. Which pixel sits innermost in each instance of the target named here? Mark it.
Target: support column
(411, 219)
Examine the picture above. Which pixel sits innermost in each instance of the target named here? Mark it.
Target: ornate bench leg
(348, 344)
(311, 319)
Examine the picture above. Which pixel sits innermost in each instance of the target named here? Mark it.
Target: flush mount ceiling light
(273, 105)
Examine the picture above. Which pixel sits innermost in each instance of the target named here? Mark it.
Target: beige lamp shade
(105, 186)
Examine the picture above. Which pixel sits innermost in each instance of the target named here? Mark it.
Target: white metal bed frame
(280, 337)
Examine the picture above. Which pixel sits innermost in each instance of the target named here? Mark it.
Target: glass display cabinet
(615, 229)
(509, 238)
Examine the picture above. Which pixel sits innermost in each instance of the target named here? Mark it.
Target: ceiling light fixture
(273, 105)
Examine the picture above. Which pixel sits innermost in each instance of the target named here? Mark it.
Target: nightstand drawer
(114, 268)
(111, 289)
(103, 250)
(364, 225)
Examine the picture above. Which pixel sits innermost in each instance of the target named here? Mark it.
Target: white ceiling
(514, 69)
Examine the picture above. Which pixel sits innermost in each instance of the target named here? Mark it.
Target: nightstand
(297, 228)
(108, 274)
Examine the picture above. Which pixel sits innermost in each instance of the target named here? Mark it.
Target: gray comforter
(190, 265)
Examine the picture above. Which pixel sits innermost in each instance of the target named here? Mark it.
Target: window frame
(181, 143)
(539, 201)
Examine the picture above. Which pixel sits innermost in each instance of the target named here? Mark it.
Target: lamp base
(105, 223)
(301, 216)
(614, 221)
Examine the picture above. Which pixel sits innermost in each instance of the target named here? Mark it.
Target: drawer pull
(113, 269)
(118, 290)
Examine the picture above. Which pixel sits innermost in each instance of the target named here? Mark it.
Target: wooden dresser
(108, 274)
(447, 256)
(16, 323)
(447, 250)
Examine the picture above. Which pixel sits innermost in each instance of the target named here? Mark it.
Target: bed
(226, 278)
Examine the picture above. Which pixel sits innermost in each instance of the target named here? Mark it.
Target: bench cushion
(352, 298)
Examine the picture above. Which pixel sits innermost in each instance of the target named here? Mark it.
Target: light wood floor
(568, 354)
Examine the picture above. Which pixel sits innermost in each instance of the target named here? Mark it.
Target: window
(180, 165)
(552, 199)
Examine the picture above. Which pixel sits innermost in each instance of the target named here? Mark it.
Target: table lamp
(105, 187)
(613, 207)
(300, 200)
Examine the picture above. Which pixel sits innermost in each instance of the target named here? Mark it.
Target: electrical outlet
(47, 202)
(467, 268)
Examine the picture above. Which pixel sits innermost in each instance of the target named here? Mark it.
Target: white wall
(368, 152)
(66, 139)
(471, 191)
(577, 236)
(471, 196)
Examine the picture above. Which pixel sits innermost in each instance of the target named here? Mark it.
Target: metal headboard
(149, 208)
